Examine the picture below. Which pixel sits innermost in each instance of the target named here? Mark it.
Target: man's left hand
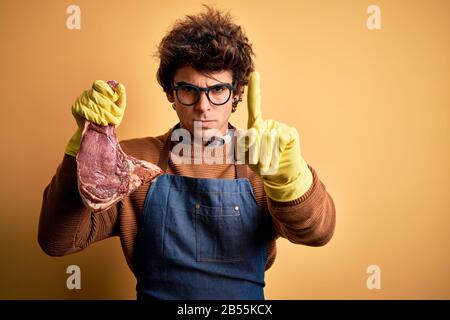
(274, 151)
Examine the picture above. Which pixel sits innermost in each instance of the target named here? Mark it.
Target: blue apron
(201, 238)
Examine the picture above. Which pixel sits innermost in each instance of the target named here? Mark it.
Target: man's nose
(203, 103)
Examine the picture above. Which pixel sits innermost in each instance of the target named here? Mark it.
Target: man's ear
(170, 97)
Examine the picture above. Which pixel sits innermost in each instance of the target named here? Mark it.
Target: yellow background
(371, 107)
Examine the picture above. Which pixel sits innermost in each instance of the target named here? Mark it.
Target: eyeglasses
(189, 94)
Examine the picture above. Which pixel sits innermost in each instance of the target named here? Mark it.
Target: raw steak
(105, 173)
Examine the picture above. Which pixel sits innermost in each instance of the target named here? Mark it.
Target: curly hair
(208, 42)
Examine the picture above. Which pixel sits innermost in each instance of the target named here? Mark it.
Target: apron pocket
(219, 234)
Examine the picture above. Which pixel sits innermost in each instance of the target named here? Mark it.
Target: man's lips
(206, 123)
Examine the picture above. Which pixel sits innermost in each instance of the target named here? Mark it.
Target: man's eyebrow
(182, 83)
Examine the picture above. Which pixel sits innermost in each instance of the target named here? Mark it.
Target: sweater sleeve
(65, 225)
(308, 220)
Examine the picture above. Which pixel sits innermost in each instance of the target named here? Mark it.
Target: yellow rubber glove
(274, 151)
(101, 105)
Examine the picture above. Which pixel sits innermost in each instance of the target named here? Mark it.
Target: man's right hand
(101, 105)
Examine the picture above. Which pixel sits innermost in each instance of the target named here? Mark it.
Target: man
(205, 229)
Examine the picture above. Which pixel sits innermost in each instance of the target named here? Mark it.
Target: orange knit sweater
(67, 226)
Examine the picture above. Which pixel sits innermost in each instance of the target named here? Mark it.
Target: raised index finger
(254, 100)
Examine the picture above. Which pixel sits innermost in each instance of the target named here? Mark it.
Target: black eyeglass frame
(204, 89)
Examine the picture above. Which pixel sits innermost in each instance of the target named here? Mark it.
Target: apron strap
(164, 155)
(240, 169)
